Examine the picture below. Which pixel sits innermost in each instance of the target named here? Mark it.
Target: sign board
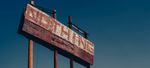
(40, 25)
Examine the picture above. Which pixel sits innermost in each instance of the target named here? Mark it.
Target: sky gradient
(120, 30)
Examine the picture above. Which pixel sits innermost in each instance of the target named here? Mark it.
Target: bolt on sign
(40, 25)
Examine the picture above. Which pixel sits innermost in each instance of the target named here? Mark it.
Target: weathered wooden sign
(40, 25)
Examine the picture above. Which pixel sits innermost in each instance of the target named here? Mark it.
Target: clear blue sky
(120, 30)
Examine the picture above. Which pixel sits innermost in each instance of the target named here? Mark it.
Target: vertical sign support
(85, 36)
(55, 58)
(31, 2)
(30, 48)
(30, 54)
(55, 49)
(70, 26)
(88, 66)
(71, 62)
(70, 22)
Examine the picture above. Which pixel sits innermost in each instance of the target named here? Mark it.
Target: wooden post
(30, 54)
(55, 50)
(70, 26)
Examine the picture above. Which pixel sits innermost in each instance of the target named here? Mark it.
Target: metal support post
(88, 66)
(55, 50)
(30, 48)
(31, 2)
(70, 26)
(71, 62)
(30, 54)
(55, 58)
